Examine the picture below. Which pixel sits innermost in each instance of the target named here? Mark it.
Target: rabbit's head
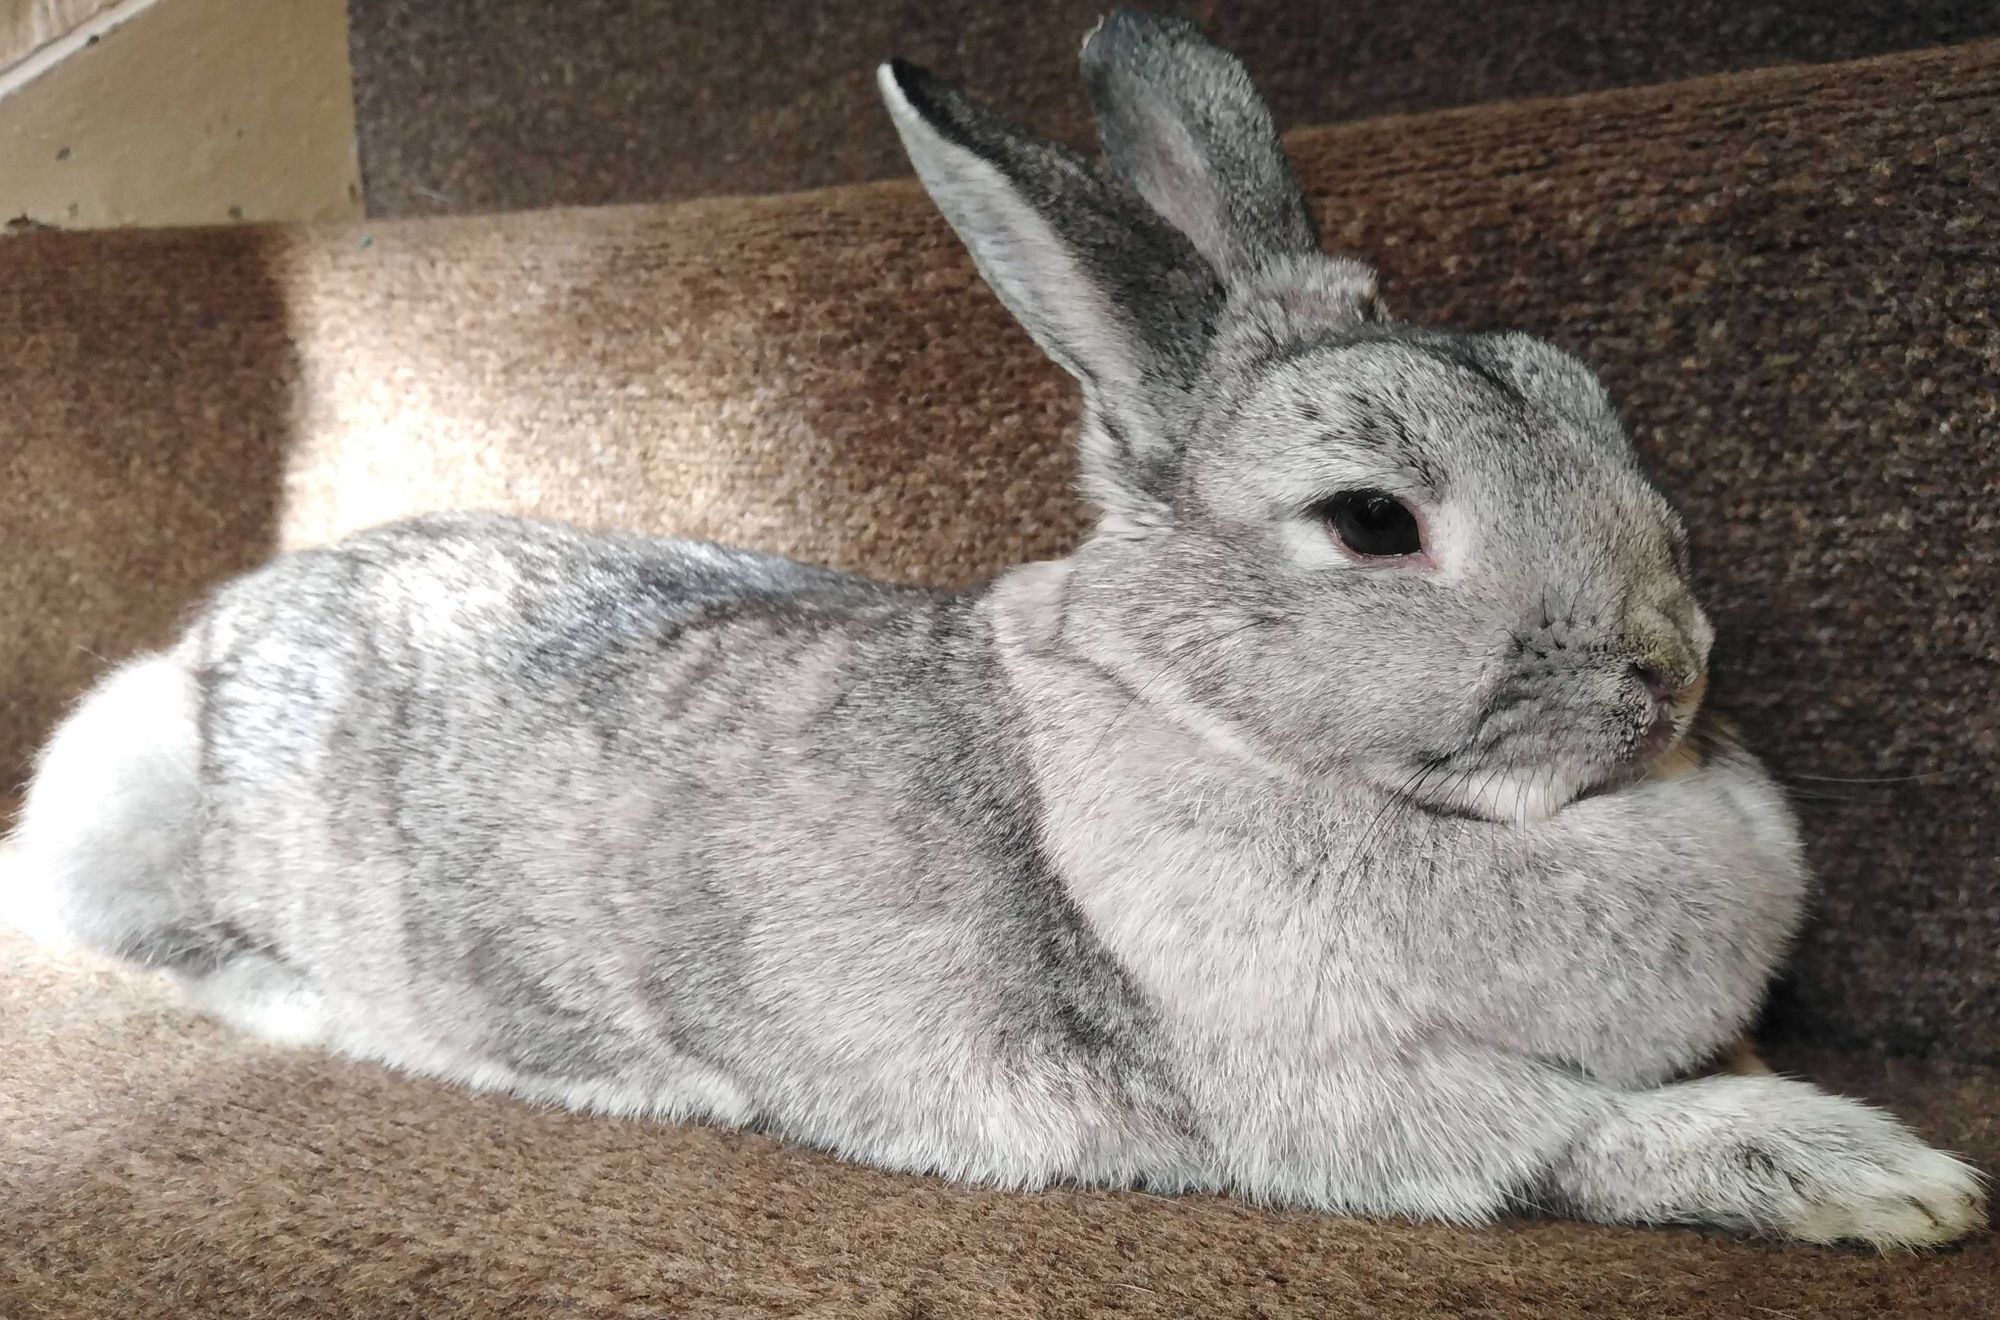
(1357, 546)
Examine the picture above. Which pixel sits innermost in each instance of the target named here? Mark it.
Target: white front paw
(1920, 1198)
(1842, 1172)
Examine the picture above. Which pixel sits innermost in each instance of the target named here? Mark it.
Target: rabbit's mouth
(1666, 751)
(1659, 739)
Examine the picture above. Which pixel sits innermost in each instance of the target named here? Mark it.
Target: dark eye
(1373, 523)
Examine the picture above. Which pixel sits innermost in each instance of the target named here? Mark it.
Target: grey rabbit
(1307, 834)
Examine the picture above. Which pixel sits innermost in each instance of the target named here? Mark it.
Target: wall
(27, 26)
(164, 112)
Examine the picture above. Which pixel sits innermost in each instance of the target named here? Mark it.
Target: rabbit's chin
(1520, 795)
(1527, 794)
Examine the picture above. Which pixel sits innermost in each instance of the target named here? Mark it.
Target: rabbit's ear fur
(1117, 298)
(1182, 126)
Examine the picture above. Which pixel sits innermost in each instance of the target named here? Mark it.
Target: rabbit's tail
(100, 857)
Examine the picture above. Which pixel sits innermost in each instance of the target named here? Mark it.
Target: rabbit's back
(401, 643)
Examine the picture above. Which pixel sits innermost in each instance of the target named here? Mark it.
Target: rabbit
(1339, 826)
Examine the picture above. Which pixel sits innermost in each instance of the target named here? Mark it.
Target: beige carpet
(1787, 278)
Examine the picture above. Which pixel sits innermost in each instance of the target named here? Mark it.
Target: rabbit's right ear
(1182, 124)
(1118, 298)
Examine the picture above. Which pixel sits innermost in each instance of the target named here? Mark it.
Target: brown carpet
(485, 105)
(1787, 277)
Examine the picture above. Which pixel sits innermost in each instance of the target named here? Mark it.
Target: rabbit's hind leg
(100, 856)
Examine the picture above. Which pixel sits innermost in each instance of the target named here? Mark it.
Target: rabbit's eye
(1373, 523)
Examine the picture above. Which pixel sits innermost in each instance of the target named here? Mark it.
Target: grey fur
(1208, 857)
(1183, 127)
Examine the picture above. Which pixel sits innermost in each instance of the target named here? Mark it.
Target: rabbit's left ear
(1182, 125)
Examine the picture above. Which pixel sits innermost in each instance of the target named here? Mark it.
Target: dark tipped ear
(1119, 299)
(1183, 126)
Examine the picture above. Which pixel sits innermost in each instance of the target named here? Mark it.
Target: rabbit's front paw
(1851, 1174)
(1911, 1197)
(1770, 1155)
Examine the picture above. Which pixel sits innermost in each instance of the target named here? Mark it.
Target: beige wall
(179, 112)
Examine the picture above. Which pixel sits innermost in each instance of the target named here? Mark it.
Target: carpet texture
(1786, 277)
(485, 105)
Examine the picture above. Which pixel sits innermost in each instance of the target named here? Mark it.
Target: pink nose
(1661, 690)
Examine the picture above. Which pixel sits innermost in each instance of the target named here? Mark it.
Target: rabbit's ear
(1115, 296)
(1183, 126)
